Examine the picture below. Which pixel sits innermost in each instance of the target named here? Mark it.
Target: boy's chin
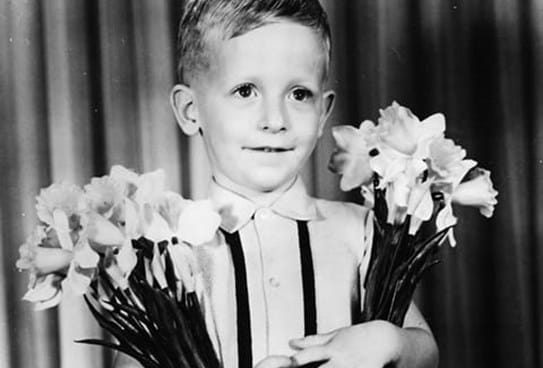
(264, 186)
(271, 184)
(257, 183)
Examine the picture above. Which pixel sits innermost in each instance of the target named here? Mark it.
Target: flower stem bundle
(397, 262)
(150, 324)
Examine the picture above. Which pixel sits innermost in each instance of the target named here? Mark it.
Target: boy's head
(206, 21)
(253, 85)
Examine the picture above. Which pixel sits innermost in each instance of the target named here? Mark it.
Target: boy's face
(260, 106)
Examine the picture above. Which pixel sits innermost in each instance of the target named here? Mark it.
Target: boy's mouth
(268, 149)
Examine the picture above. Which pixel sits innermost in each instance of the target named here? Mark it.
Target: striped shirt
(280, 272)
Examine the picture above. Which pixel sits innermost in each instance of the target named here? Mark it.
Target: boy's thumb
(275, 361)
(312, 340)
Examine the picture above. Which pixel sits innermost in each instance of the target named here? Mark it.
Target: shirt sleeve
(368, 241)
(358, 222)
(205, 307)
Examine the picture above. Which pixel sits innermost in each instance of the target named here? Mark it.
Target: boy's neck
(261, 199)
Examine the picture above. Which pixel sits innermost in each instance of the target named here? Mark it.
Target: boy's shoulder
(342, 224)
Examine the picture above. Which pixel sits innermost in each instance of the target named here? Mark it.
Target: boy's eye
(301, 94)
(245, 91)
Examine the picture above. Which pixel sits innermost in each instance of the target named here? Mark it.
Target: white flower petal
(414, 225)
(421, 196)
(84, 256)
(401, 190)
(198, 223)
(182, 258)
(158, 268)
(157, 229)
(445, 218)
(77, 281)
(60, 224)
(150, 186)
(432, 126)
(50, 260)
(356, 173)
(415, 167)
(459, 171)
(127, 258)
(477, 192)
(121, 173)
(368, 195)
(44, 290)
(103, 231)
(132, 219)
(344, 135)
(379, 164)
(170, 206)
(425, 207)
(117, 276)
(49, 303)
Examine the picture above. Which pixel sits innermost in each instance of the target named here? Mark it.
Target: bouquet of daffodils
(410, 175)
(125, 243)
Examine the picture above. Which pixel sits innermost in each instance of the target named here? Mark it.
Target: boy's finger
(312, 340)
(311, 355)
(276, 361)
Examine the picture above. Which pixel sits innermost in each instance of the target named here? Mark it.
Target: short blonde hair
(205, 20)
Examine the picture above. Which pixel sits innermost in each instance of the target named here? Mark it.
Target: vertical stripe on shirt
(308, 279)
(243, 314)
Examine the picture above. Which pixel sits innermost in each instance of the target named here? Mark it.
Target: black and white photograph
(271, 183)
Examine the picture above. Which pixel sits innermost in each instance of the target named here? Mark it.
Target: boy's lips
(269, 149)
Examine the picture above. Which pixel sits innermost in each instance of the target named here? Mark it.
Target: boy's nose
(274, 118)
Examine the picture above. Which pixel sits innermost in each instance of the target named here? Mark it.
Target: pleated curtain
(84, 84)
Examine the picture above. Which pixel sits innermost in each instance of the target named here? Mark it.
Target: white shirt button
(264, 213)
(274, 282)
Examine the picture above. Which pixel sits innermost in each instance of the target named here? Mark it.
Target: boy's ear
(329, 99)
(183, 102)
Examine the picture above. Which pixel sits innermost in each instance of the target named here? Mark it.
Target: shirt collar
(237, 210)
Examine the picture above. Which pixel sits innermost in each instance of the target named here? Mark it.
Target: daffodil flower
(477, 192)
(105, 196)
(64, 197)
(181, 223)
(58, 254)
(352, 156)
(449, 167)
(192, 222)
(145, 188)
(399, 129)
(445, 159)
(407, 195)
(403, 142)
(198, 223)
(106, 235)
(45, 294)
(55, 264)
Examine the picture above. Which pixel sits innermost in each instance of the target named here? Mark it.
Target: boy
(285, 265)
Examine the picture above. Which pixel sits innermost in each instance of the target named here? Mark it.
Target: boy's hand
(370, 345)
(276, 361)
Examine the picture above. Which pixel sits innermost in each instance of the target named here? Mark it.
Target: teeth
(269, 149)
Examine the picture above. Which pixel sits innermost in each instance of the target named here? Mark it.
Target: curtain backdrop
(85, 84)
